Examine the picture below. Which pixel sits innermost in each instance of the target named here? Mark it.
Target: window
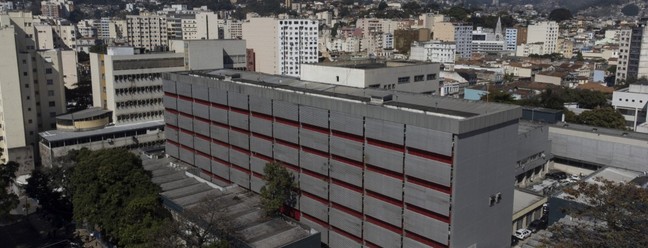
(50, 93)
(26, 85)
(402, 80)
(431, 76)
(337, 78)
(418, 78)
(52, 104)
(29, 121)
(48, 71)
(52, 114)
(50, 82)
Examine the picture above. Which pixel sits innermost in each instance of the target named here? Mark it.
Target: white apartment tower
(510, 36)
(31, 89)
(545, 32)
(281, 45)
(434, 51)
(147, 31)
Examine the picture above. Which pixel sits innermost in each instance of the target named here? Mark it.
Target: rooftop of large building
(602, 131)
(474, 114)
(369, 64)
(62, 135)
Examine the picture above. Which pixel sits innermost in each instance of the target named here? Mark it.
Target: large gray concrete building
(375, 168)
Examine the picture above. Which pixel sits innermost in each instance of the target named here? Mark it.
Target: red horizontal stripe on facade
(316, 129)
(241, 150)
(371, 245)
(287, 122)
(240, 168)
(289, 166)
(172, 127)
(240, 111)
(170, 94)
(258, 175)
(346, 234)
(314, 197)
(203, 102)
(385, 225)
(205, 155)
(173, 142)
(262, 116)
(219, 106)
(190, 116)
(350, 162)
(240, 130)
(315, 152)
(215, 141)
(347, 136)
(430, 155)
(347, 210)
(221, 161)
(346, 185)
(198, 118)
(385, 172)
(203, 137)
(261, 136)
(315, 174)
(216, 176)
(186, 98)
(186, 131)
(424, 240)
(384, 198)
(263, 157)
(286, 143)
(428, 213)
(316, 220)
(430, 185)
(386, 145)
(218, 124)
(172, 111)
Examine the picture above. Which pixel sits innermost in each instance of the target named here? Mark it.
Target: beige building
(459, 33)
(545, 32)
(31, 89)
(282, 45)
(147, 31)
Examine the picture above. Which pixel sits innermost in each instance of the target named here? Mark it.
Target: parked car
(522, 233)
(575, 178)
(538, 224)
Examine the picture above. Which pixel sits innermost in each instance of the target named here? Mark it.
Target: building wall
(147, 31)
(364, 180)
(548, 79)
(260, 35)
(546, 32)
(13, 127)
(599, 149)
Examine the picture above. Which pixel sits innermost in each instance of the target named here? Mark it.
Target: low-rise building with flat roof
(415, 77)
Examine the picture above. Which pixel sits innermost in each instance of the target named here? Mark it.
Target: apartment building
(510, 36)
(632, 102)
(416, 77)
(282, 45)
(632, 58)
(32, 91)
(374, 167)
(545, 32)
(459, 33)
(147, 31)
(130, 85)
(434, 51)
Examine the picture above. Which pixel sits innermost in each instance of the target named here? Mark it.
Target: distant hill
(573, 5)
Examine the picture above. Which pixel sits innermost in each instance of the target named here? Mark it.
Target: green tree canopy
(113, 191)
(278, 191)
(382, 5)
(8, 200)
(630, 10)
(498, 96)
(602, 117)
(458, 13)
(51, 187)
(614, 214)
(560, 14)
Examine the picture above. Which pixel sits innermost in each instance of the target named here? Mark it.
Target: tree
(277, 192)
(579, 56)
(498, 96)
(612, 215)
(630, 10)
(457, 13)
(206, 224)
(602, 117)
(8, 200)
(111, 190)
(560, 14)
(382, 5)
(52, 189)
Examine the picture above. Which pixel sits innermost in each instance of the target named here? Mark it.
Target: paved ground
(20, 234)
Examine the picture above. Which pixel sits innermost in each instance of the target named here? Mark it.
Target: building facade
(147, 31)
(413, 171)
(632, 58)
(510, 37)
(545, 32)
(282, 45)
(31, 89)
(434, 51)
(632, 102)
